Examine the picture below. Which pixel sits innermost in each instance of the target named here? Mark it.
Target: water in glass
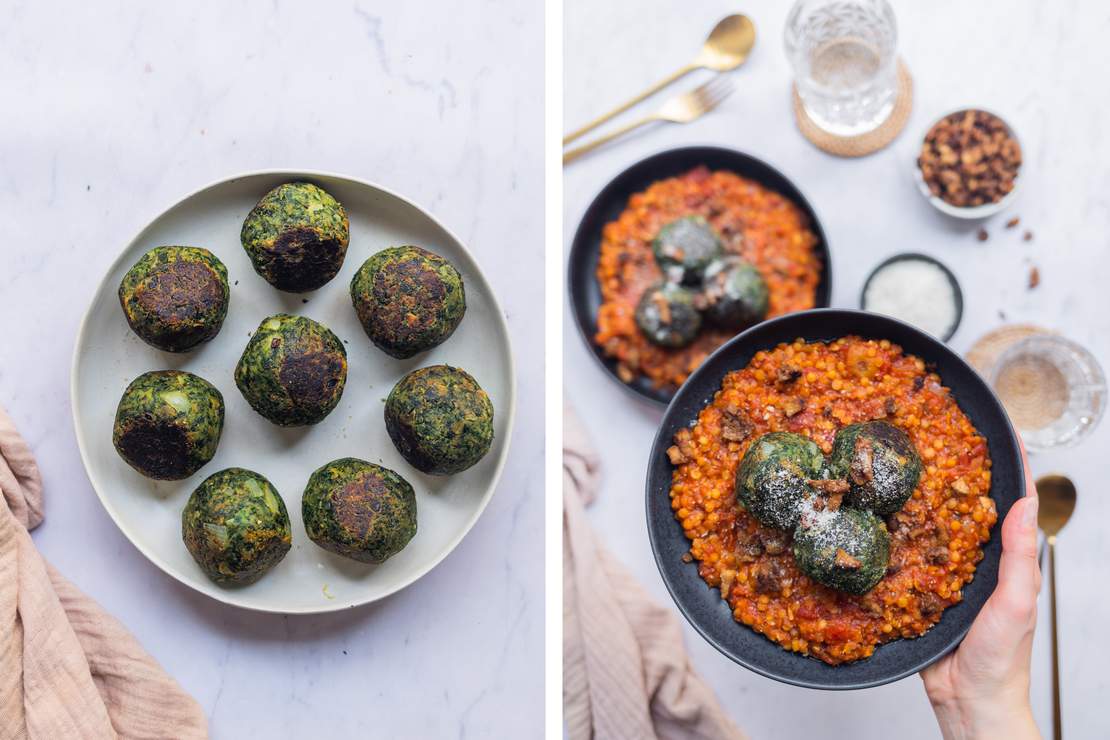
(843, 54)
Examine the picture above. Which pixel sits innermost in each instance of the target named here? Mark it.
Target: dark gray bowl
(704, 607)
(585, 250)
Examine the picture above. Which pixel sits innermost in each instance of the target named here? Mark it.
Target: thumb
(1019, 574)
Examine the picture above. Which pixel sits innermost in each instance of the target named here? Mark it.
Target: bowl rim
(582, 248)
(957, 292)
(968, 213)
(291, 173)
(661, 442)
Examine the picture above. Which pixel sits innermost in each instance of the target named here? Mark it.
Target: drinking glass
(845, 66)
(1052, 388)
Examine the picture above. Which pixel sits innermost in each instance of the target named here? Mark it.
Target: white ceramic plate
(108, 356)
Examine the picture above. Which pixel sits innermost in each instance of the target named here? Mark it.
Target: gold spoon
(1057, 495)
(727, 47)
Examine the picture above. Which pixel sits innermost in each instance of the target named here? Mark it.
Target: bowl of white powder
(918, 290)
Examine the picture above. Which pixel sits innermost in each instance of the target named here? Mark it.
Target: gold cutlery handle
(1056, 731)
(625, 106)
(577, 152)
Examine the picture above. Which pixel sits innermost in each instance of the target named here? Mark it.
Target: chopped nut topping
(662, 306)
(735, 427)
(793, 406)
(829, 486)
(844, 560)
(788, 374)
(773, 541)
(959, 486)
(861, 470)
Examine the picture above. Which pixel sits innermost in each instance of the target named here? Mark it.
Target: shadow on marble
(251, 626)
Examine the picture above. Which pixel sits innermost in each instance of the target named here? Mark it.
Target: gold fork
(679, 109)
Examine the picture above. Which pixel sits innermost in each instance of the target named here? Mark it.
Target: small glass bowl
(1062, 397)
(967, 212)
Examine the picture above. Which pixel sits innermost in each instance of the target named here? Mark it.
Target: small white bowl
(967, 212)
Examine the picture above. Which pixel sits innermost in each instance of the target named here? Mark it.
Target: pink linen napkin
(626, 673)
(67, 668)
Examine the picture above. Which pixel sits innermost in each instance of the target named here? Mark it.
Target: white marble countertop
(114, 111)
(1043, 66)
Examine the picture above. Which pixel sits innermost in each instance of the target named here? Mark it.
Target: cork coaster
(864, 144)
(985, 352)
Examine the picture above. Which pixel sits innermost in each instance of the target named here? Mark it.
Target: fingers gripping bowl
(853, 649)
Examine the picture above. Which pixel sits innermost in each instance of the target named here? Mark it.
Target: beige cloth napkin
(68, 669)
(626, 673)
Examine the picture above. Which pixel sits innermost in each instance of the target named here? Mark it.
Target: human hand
(981, 689)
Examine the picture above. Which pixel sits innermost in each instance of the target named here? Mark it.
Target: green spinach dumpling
(175, 298)
(168, 424)
(292, 371)
(667, 316)
(236, 527)
(359, 510)
(734, 293)
(440, 420)
(408, 300)
(296, 237)
(772, 481)
(880, 464)
(684, 247)
(845, 549)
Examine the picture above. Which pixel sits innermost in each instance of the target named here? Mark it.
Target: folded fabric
(626, 673)
(67, 668)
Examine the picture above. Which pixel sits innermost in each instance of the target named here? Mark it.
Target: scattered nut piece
(1027, 236)
(1013, 222)
(1034, 277)
(982, 235)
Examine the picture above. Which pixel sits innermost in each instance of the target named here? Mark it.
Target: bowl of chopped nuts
(969, 164)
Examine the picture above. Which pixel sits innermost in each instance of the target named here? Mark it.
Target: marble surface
(115, 110)
(1042, 65)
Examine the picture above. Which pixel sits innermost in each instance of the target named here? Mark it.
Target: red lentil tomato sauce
(815, 389)
(765, 228)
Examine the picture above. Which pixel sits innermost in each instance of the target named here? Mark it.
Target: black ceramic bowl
(585, 294)
(704, 607)
(957, 294)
